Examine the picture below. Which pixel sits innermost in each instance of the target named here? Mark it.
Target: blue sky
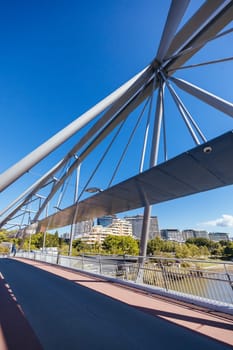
(60, 58)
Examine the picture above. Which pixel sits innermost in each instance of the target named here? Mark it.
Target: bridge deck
(191, 172)
(49, 307)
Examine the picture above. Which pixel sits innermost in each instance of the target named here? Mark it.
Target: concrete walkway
(48, 307)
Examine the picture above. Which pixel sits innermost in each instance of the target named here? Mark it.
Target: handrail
(212, 284)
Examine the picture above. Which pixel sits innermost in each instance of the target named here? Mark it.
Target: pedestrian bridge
(129, 126)
(45, 306)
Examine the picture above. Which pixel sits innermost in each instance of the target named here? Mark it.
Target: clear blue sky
(59, 58)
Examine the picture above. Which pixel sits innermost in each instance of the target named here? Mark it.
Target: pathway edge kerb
(199, 305)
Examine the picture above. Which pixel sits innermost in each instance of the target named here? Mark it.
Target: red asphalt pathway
(15, 328)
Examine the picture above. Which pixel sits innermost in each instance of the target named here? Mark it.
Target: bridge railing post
(58, 258)
(140, 273)
(100, 265)
(228, 277)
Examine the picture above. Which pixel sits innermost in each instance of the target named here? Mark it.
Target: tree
(52, 240)
(168, 246)
(204, 251)
(213, 247)
(199, 241)
(2, 237)
(182, 251)
(154, 246)
(79, 245)
(228, 250)
(223, 242)
(120, 245)
(4, 250)
(216, 249)
(194, 250)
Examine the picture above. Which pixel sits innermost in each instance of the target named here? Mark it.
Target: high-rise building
(218, 236)
(82, 228)
(119, 227)
(105, 220)
(201, 233)
(97, 235)
(137, 222)
(172, 234)
(190, 233)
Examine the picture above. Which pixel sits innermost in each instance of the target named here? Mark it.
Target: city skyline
(61, 60)
(85, 228)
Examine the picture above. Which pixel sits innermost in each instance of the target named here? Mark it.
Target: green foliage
(4, 250)
(157, 245)
(200, 242)
(168, 246)
(194, 247)
(52, 240)
(120, 245)
(214, 248)
(223, 242)
(154, 246)
(194, 251)
(7, 236)
(80, 246)
(204, 251)
(182, 251)
(2, 237)
(64, 249)
(228, 250)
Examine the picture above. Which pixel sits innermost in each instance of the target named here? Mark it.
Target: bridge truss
(138, 111)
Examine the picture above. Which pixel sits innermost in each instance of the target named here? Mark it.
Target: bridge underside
(203, 168)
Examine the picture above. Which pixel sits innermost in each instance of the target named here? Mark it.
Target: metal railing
(210, 281)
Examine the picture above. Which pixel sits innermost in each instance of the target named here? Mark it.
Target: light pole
(93, 190)
(30, 230)
(72, 229)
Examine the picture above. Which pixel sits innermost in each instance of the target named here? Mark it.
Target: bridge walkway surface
(43, 306)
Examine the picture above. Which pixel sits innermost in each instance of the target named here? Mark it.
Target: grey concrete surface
(65, 315)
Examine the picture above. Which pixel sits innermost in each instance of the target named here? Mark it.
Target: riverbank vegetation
(192, 248)
(202, 248)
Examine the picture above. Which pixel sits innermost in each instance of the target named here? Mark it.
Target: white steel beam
(137, 100)
(90, 133)
(122, 114)
(193, 24)
(205, 96)
(216, 24)
(25, 164)
(153, 161)
(176, 12)
(31, 190)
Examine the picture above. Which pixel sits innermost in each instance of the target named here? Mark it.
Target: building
(218, 236)
(106, 220)
(172, 235)
(121, 227)
(82, 228)
(137, 222)
(98, 233)
(66, 235)
(190, 233)
(202, 234)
